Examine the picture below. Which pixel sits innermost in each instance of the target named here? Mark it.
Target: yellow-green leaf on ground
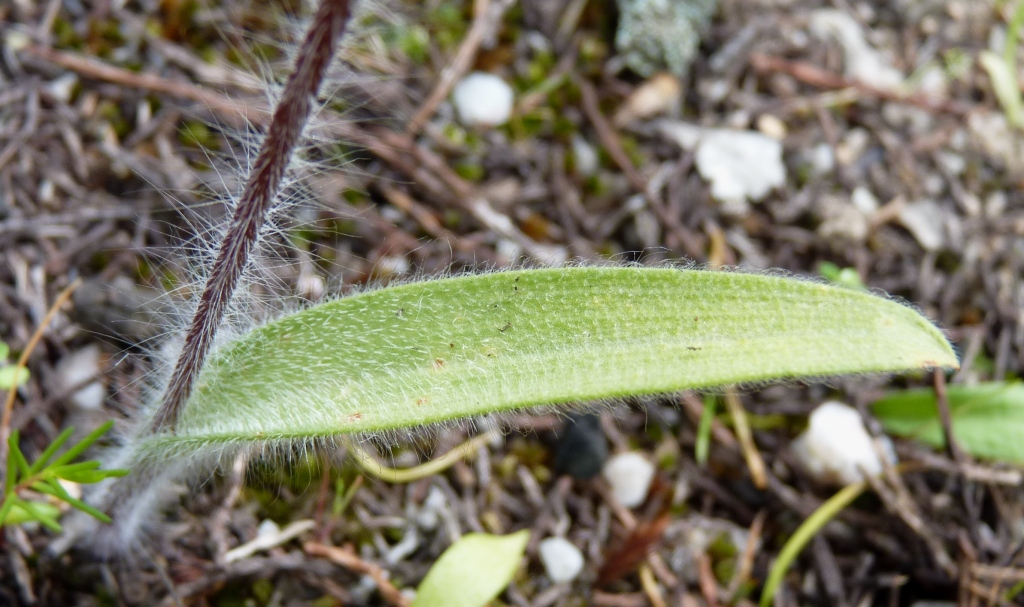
(472, 571)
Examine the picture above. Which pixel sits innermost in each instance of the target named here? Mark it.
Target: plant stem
(825, 513)
(5, 420)
(261, 190)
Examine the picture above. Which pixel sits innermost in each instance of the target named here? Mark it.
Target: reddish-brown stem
(286, 126)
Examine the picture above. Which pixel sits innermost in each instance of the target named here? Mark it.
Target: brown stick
(5, 421)
(815, 76)
(349, 560)
(289, 119)
(613, 145)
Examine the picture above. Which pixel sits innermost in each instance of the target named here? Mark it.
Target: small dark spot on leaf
(422, 401)
(354, 417)
(400, 312)
(692, 348)
(438, 364)
(507, 326)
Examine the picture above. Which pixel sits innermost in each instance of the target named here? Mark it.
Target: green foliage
(1002, 71)
(445, 349)
(848, 277)
(472, 571)
(11, 376)
(988, 419)
(43, 476)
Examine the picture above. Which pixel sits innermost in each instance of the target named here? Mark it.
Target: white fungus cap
(483, 99)
(836, 447)
(629, 475)
(562, 560)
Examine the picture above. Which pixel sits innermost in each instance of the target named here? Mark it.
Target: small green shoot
(11, 376)
(44, 476)
(472, 571)
(804, 534)
(1002, 71)
(703, 442)
(847, 277)
(988, 419)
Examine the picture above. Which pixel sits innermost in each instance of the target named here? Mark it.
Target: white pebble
(586, 159)
(483, 99)
(864, 200)
(925, 219)
(741, 165)
(629, 475)
(836, 448)
(562, 560)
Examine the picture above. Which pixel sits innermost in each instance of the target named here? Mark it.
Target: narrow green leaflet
(445, 349)
(988, 419)
(472, 571)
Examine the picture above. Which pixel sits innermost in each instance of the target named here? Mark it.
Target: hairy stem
(258, 197)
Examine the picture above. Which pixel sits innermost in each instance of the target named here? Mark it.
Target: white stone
(585, 157)
(483, 99)
(629, 475)
(823, 160)
(741, 165)
(924, 219)
(836, 448)
(79, 366)
(864, 200)
(862, 62)
(562, 560)
(62, 86)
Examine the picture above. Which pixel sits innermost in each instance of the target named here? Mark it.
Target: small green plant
(43, 478)
(1002, 71)
(11, 376)
(988, 418)
(438, 350)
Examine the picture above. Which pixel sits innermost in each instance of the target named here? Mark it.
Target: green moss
(470, 170)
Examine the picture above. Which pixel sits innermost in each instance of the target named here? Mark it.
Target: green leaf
(12, 376)
(42, 512)
(445, 349)
(988, 419)
(1004, 84)
(472, 571)
(45, 456)
(84, 444)
(16, 454)
(5, 351)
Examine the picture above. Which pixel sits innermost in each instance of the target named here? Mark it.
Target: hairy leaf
(472, 571)
(431, 351)
(988, 419)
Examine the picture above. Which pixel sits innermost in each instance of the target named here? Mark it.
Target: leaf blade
(988, 418)
(431, 351)
(472, 571)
